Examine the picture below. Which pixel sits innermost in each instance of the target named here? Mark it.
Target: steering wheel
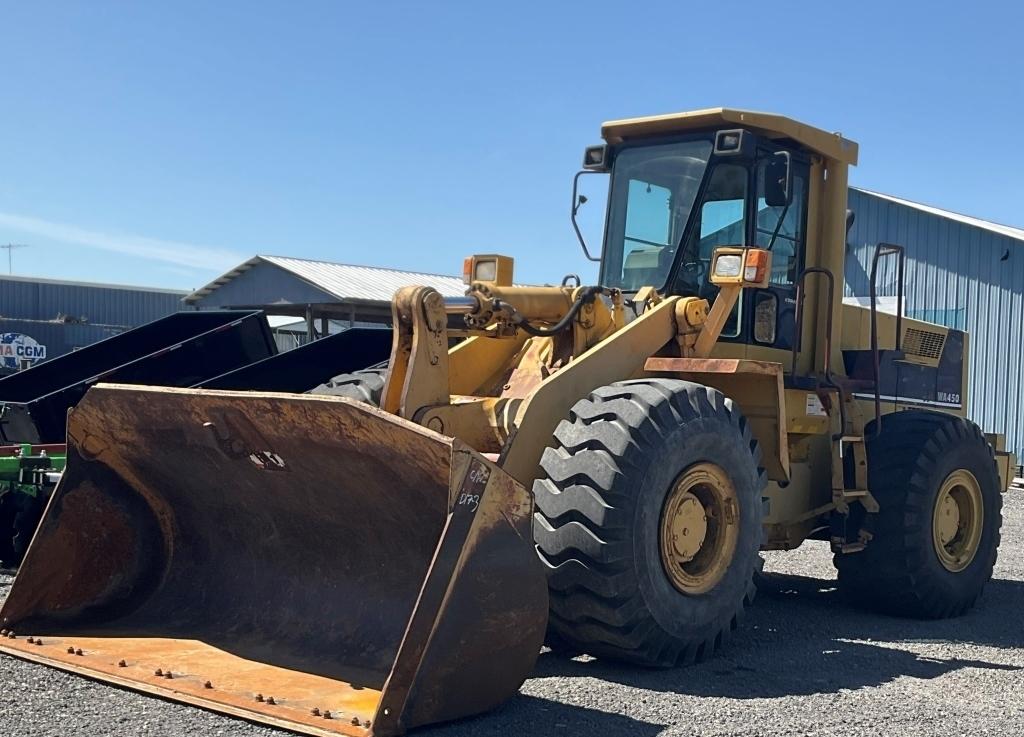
(697, 268)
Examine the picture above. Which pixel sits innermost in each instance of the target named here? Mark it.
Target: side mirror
(778, 180)
(578, 200)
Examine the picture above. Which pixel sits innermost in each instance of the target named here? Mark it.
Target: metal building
(45, 318)
(964, 273)
(327, 296)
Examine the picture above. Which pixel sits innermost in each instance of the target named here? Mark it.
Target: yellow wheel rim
(957, 520)
(699, 528)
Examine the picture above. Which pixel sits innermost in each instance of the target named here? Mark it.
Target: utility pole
(10, 254)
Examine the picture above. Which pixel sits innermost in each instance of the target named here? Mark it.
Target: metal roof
(88, 284)
(345, 282)
(832, 145)
(988, 225)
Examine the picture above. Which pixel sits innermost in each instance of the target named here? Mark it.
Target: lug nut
(31, 640)
(158, 672)
(121, 664)
(79, 652)
(38, 641)
(366, 723)
(315, 712)
(71, 651)
(355, 721)
(270, 700)
(3, 633)
(11, 636)
(168, 674)
(259, 697)
(207, 685)
(327, 714)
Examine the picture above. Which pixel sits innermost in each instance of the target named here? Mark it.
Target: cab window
(721, 221)
(653, 189)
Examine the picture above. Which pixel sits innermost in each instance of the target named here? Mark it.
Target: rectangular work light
(747, 267)
(489, 268)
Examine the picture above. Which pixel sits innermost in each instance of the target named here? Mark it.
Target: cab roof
(829, 145)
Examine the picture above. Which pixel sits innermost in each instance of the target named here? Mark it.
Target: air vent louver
(923, 343)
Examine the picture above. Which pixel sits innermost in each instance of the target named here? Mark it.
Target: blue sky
(162, 143)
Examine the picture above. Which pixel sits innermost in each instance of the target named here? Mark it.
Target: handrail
(798, 338)
(884, 249)
(800, 318)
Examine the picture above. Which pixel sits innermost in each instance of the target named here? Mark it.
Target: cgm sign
(19, 351)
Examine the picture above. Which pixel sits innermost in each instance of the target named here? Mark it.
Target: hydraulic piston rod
(462, 305)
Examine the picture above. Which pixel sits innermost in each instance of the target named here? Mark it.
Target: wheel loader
(594, 467)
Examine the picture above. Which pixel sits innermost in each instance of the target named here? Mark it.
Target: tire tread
(891, 574)
(583, 519)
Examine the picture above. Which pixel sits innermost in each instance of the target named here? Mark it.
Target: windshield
(653, 189)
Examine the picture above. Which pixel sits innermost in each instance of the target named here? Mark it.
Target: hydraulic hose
(587, 295)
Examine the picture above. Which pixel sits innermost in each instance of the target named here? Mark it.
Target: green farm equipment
(28, 475)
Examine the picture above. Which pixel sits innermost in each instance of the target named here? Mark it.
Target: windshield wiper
(778, 227)
(646, 243)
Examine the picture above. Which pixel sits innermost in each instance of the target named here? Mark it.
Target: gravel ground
(804, 664)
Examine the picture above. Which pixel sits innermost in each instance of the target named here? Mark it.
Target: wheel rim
(699, 528)
(957, 520)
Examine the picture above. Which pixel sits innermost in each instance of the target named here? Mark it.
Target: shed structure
(328, 296)
(964, 273)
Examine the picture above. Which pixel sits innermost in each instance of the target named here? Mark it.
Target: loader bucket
(307, 562)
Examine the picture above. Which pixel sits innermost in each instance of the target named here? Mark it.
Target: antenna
(10, 254)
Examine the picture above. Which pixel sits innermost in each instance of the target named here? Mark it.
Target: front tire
(936, 535)
(648, 521)
(364, 386)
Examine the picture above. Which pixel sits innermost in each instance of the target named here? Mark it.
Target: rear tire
(20, 514)
(26, 521)
(7, 513)
(611, 488)
(911, 567)
(364, 386)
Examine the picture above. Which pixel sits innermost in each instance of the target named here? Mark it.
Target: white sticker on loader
(814, 406)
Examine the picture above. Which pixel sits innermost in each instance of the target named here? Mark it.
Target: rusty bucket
(302, 561)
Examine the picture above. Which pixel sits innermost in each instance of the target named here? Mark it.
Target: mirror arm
(575, 208)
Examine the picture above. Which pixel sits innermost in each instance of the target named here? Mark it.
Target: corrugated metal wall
(960, 276)
(30, 299)
(64, 316)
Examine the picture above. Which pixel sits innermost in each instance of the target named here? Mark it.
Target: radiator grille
(924, 343)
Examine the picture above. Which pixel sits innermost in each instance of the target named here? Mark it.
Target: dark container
(180, 350)
(309, 365)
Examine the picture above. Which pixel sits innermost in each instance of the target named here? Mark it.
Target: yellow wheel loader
(597, 467)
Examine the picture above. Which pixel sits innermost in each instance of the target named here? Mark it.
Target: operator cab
(683, 185)
(673, 200)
